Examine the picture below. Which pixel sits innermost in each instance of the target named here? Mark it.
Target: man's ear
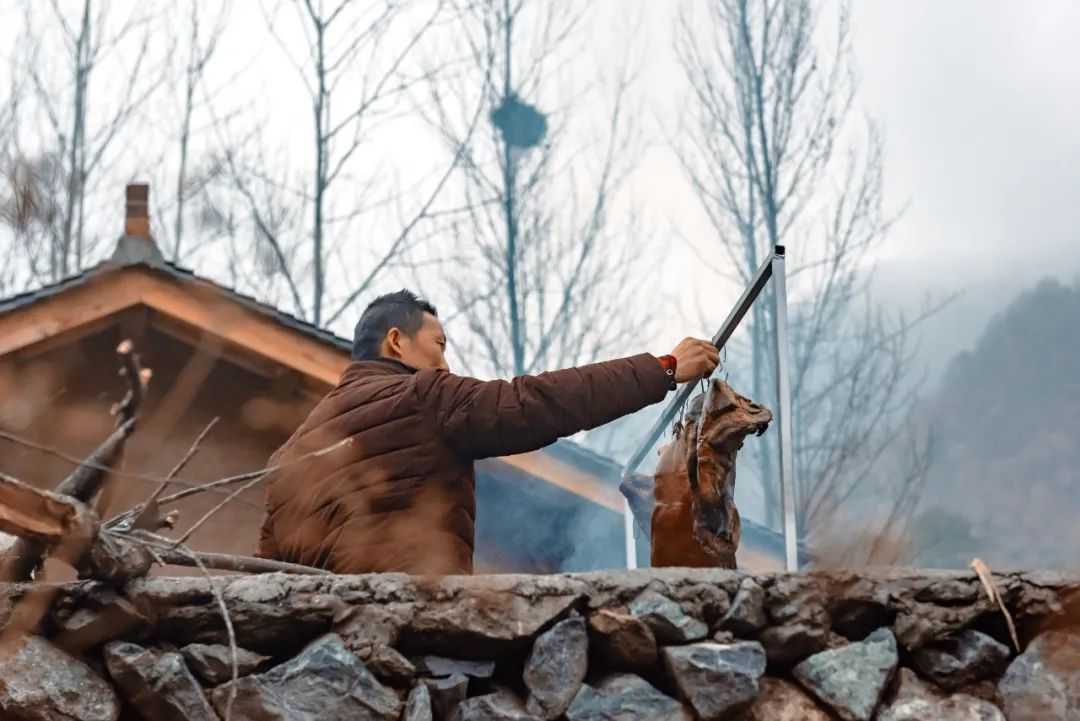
(393, 342)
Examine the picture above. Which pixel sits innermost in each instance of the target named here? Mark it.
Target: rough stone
(390, 666)
(213, 662)
(440, 666)
(716, 679)
(111, 617)
(621, 642)
(916, 701)
(856, 619)
(965, 658)
(446, 693)
(987, 690)
(747, 613)
(625, 697)
(1043, 683)
(783, 701)
(265, 617)
(157, 685)
(556, 668)
(669, 623)
(418, 705)
(39, 682)
(364, 627)
(482, 625)
(787, 645)
(852, 679)
(325, 682)
(502, 705)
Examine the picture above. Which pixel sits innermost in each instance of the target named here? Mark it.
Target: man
(400, 496)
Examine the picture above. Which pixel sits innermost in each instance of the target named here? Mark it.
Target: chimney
(136, 245)
(137, 219)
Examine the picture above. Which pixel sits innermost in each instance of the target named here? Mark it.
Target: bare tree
(770, 150)
(203, 39)
(544, 282)
(81, 120)
(355, 61)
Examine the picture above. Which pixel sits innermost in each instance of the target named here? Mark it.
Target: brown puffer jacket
(401, 495)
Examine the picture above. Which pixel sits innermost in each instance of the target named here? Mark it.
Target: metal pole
(761, 277)
(630, 538)
(730, 324)
(783, 390)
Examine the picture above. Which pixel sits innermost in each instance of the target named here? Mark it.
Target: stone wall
(624, 646)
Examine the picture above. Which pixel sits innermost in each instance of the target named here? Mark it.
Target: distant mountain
(1005, 485)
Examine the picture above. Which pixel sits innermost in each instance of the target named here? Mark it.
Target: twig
(147, 513)
(209, 514)
(56, 453)
(220, 561)
(215, 485)
(220, 598)
(172, 498)
(221, 606)
(251, 484)
(187, 456)
(137, 377)
(85, 480)
(987, 578)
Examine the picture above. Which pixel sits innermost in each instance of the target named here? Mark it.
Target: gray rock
(440, 666)
(111, 617)
(747, 613)
(367, 626)
(621, 642)
(502, 705)
(916, 701)
(556, 668)
(485, 625)
(716, 679)
(213, 662)
(157, 685)
(965, 658)
(852, 679)
(390, 666)
(669, 623)
(418, 705)
(325, 682)
(788, 644)
(625, 697)
(783, 701)
(446, 693)
(39, 682)
(1043, 683)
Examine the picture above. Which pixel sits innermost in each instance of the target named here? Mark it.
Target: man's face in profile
(424, 350)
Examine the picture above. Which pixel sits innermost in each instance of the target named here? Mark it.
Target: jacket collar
(376, 366)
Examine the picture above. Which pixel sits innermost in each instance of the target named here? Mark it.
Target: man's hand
(694, 359)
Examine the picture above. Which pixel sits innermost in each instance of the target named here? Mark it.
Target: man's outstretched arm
(481, 419)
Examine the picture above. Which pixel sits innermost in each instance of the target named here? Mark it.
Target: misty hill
(1005, 485)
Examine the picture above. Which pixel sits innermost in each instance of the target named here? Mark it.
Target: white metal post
(783, 390)
(628, 531)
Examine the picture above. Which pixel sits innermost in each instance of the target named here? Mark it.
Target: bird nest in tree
(521, 124)
(688, 508)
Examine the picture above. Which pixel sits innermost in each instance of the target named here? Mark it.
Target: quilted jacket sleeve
(481, 419)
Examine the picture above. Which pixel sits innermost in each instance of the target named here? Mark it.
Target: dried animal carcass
(694, 519)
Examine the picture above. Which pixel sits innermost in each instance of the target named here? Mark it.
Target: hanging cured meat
(694, 519)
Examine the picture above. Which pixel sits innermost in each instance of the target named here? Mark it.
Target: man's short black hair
(403, 310)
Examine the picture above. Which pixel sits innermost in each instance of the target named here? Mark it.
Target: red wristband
(669, 364)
